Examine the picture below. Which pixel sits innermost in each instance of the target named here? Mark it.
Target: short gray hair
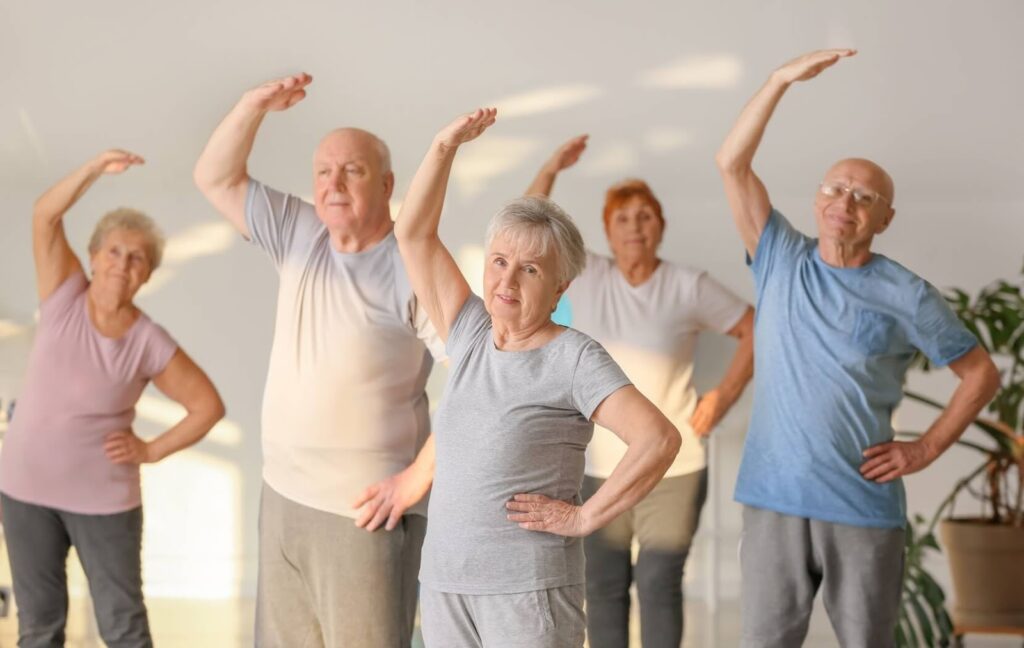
(547, 226)
(135, 221)
(385, 154)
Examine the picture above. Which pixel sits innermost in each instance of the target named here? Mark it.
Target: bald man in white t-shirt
(344, 410)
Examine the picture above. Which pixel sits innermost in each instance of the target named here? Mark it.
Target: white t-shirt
(344, 404)
(651, 331)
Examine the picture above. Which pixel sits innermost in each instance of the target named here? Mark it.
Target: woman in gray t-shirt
(503, 556)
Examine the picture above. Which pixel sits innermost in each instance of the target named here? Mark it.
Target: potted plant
(986, 549)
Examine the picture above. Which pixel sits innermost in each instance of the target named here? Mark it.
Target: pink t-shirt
(80, 387)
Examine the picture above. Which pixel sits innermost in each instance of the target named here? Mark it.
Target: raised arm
(979, 382)
(185, 383)
(55, 261)
(221, 172)
(439, 285)
(563, 158)
(652, 444)
(747, 196)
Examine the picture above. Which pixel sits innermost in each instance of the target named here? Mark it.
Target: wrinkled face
(121, 264)
(349, 187)
(634, 230)
(840, 219)
(521, 286)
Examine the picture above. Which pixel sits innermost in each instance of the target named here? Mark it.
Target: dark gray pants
(664, 523)
(325, 582)
(109, 548)
(784, 560)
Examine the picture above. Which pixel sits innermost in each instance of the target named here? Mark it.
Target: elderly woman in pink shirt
(69, 470)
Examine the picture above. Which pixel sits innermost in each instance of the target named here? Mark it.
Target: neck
(845, 255)
(637, 270)
(109, 310)
(509, 336)
(360, 238)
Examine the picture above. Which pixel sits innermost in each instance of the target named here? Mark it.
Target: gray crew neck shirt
(509, 422)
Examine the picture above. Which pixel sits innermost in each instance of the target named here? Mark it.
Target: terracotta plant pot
(987, 563)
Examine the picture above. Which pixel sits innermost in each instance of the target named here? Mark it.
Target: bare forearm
(187, 432)
(970, 396)
(421, 210)
(543, 183)
(58, 199)
(737, 151)
(639, 471)
(740, 370)
(223, 160)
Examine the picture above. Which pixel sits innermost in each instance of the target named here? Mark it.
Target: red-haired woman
(648, 312)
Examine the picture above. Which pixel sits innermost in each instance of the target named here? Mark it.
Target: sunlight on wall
(487, 158)
(545, 100)
(33, 138)
(710, 71)
(199, 240)
(615, 158)
(10, 329)
(470, 259)
(666, 139)
(192, 536)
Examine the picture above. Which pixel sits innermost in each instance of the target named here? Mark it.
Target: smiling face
(121, 263)
(634, 230)
(840, 219)
(521, 280)
(351, 187)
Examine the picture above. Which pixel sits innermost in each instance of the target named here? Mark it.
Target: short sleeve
(717, 307)
(936, 330)
(596, 378)
(64, 297)
(274, 219)
(472, 321)
(160, 348)
(779, 245)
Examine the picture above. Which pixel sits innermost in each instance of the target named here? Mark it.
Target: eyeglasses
(861, 197)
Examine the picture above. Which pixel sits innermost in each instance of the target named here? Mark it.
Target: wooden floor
(228, 624)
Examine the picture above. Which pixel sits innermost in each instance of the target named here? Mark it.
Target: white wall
(934, 96)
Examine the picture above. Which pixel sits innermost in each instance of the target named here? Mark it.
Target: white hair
(133, 220)
(545, 225)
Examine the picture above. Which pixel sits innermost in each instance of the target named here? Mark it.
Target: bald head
(356, 139)
(859, 171)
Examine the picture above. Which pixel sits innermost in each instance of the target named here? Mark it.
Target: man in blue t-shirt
(836, 328)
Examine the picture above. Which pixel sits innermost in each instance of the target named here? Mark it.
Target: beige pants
(325, 583)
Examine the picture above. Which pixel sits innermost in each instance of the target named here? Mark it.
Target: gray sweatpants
(548, 618)
(663, 523)
(109, 548)
(323, 582)
(785, 559)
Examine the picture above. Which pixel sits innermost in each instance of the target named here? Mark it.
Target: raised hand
(123, 447)
(279, 94)
(810, 65)
(466, 128)
(536, 512)
(567, 154)
(116, 161)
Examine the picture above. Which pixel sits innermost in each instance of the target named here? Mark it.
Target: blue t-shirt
(832, 350)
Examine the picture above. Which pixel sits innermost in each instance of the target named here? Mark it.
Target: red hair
(621, 193)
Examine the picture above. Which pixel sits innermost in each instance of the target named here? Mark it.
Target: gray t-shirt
(509, 422)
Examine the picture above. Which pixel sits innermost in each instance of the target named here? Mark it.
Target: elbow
(670, 443)
(992, 380)
(730, 165)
